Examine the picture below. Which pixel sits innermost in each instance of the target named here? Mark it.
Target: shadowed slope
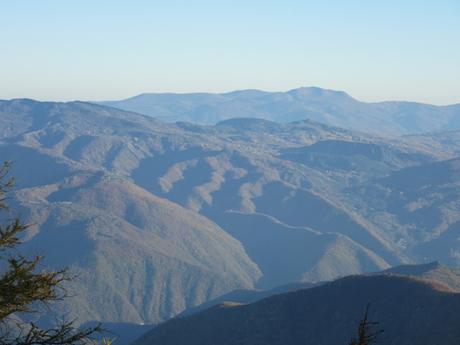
(327, 314)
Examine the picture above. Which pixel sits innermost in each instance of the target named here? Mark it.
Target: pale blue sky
(96, 49)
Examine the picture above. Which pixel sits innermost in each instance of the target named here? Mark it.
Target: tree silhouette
(367, 332)
(25, 288)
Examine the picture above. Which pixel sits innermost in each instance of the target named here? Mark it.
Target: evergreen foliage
(25, 288)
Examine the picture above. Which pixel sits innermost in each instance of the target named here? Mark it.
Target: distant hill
(327, 106)
(411, 311)
(423, 201)
(446, 143)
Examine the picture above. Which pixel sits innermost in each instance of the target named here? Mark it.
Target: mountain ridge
(99, 174)
(327, 106)
(294, 90)
(325, 314)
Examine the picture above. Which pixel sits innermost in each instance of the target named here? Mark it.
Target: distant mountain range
(410, 303)
(326, 106)
(157, 218)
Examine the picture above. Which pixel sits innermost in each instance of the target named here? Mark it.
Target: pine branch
(23, 286)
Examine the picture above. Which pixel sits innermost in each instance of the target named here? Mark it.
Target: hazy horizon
(114, 50)
(224, 92)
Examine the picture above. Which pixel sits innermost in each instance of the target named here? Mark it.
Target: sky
(109, 49)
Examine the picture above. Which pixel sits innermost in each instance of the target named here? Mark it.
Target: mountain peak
(314, 91)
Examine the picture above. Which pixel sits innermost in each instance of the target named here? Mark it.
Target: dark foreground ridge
(410, 310)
